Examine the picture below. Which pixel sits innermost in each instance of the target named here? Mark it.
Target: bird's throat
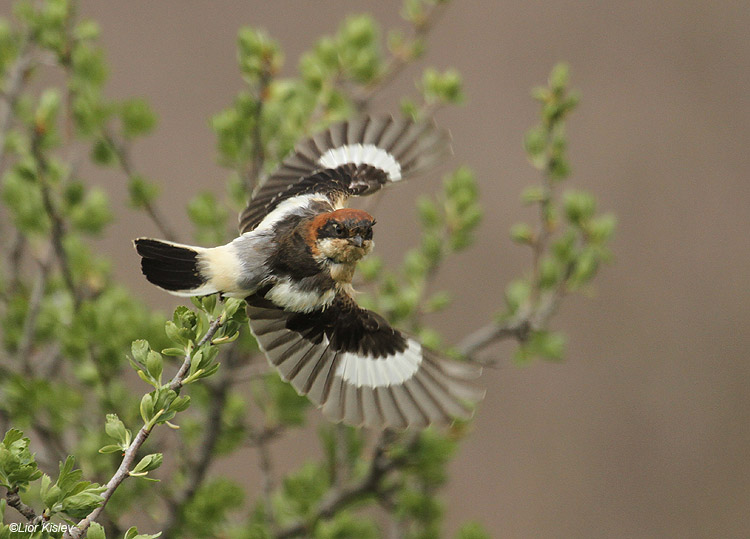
(343, 273)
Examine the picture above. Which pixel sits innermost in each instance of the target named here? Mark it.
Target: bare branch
(338, 499)
(487, 335)
(14, 501)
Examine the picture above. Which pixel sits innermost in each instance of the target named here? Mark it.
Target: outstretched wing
(360, 370)
(355, 157)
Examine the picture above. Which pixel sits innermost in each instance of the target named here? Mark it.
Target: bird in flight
(294, 262)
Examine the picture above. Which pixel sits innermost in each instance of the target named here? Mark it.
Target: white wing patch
(285, 208)
(380, 372)
(362, 154)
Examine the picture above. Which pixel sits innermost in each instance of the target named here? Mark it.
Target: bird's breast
(300, 296)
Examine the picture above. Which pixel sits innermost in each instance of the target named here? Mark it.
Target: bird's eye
(368, 234)
(339, 230)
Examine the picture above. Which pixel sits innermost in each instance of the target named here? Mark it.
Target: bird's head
(342, 236)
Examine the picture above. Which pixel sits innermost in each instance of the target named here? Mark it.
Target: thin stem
(122, 153)
(17, 76)
(398, 62)
(130, 453)
(58, 225)
(35, 304)
(252, 177)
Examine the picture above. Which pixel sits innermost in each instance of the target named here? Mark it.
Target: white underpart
(285, 208)
(222, 267)
(380, 372)
(362, 154)
(287, 294)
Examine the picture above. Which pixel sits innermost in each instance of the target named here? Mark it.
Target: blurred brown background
(643, 431)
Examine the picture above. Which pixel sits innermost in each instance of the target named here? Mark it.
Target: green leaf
(545, 344)
(132, 533)
(345, 524)
(579, 206)
(116, 430)
(180, 404)
(516, 294)
(96, 531)
(258, 55)
(521, 233)
(559, 78)
(438, 301)
(472, 530)
(17, 465)
(93, 213)
(601, 228)
(87, 30)
(207, 512)
(81, 504)
(586, 266)
(550, 272)
(443, 87)
(137, 118)
(102, 152)
(46, 112)
(429, 214)
(147, 407)
(533, 194)
(154, 365)
(142, 192)
(140, 349)
(535, 144)
(147, 464)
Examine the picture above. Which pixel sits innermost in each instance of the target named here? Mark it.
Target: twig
(13, 88)
(16, 258)
(492, 333)
(370, 484)
(517, 328)
(126, 165)
(14, 500)
(341, 468)
(397, 63)
(35, 303)
(58, 225)
(130, 453)
(252, 176)
(260, 441)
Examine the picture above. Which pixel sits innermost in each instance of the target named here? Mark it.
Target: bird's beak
(356, 240)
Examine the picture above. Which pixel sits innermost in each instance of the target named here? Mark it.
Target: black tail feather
(169, 266)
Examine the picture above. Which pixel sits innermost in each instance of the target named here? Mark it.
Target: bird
(294, 261)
